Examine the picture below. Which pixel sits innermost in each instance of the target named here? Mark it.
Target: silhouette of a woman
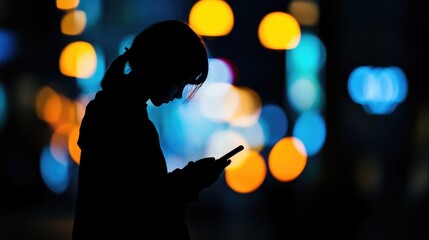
(124, 188)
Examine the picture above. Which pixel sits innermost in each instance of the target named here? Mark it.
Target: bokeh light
(78, 59)
(378, 89)
(90, 85)
(218, 101)
(72, 146)
(73, 22)
(59, 142)
(303, 94)
(249, 175)
(211, 18)
(304, 66)
(306, 12)
(48, 105)
(279, 31)
(274, 122)
(56, 109)
(309, 56)
(287, 159)
(220, 71)
(94, 7)
(3, 105)
(221, 142)
(250, 107)
(254, 135)
(54, 173)
(310, 128)
(8, 43)
(67, 4)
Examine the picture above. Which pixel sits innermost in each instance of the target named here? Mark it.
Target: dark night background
(336, 206)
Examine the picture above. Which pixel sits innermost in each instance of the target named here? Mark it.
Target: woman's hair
(169, 51)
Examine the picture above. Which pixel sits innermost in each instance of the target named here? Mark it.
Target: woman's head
(168, 54)
(164, 58)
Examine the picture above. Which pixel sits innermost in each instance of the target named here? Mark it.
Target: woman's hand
(205, 172)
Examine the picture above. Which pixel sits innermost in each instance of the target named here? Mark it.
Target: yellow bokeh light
(279, 31)
(211, 18)
(287, 159)
(305, 12)
(73, 22)
(78, 59)
(249, 175)
(67, 4)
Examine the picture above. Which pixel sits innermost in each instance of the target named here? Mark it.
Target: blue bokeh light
(378, 89)
(274, 123)
(7, 46)
(310, 128)
(54, 173)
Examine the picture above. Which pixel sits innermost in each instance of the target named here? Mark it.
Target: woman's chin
(159, 102)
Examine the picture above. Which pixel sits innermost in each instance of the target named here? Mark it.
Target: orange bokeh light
(287, 159)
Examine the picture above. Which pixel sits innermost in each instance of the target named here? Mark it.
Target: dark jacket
(124, 188)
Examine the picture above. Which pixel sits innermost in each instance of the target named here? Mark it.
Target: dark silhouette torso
(124, 190)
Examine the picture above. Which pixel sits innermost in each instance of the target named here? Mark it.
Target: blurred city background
(328, 98)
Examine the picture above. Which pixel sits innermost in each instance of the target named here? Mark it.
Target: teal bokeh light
(304, 92)
(303, 74)
(93, 9)
(3, 105)
(308, 56)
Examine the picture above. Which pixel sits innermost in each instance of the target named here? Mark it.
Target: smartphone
(231, 153)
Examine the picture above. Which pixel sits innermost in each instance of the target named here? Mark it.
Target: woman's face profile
(166, 93)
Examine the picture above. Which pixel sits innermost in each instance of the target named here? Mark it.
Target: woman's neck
(134, 87)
